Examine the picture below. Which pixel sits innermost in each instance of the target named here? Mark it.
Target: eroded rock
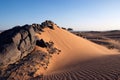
(15, 44)
(28, 67)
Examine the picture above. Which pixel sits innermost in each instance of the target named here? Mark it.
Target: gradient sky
(78, 14)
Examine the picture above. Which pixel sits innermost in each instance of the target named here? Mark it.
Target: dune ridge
(74, 50)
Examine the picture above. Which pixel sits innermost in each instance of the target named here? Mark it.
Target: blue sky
(78, 14)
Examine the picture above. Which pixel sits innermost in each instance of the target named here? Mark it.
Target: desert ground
(57, 54)
(109, 39)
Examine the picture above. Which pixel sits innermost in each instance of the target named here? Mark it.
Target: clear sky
(77, 14)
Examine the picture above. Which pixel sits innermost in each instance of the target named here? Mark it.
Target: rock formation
(18, 54)
(15, 44)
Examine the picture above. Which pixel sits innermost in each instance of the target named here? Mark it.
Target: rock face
(15, 44)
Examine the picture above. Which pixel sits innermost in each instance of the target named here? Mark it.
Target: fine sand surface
(79, 58)
(104, 68)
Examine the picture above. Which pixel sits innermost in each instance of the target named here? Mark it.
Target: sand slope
(74, 50)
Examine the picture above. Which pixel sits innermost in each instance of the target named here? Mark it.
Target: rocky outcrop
(19, 57)
(37, 28)
(28, 67)
(15, 44)
(48, 24)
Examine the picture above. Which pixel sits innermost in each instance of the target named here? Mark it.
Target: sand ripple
(105, 68)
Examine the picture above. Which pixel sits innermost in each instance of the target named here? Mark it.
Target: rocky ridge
(19, 58)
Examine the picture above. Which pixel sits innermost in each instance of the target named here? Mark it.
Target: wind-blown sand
(73, 61)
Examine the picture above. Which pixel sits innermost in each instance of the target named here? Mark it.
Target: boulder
(41, 43)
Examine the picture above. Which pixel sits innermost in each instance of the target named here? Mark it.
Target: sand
(74, 51)
(104, 68)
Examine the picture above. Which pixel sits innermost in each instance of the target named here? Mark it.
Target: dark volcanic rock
(16, 43)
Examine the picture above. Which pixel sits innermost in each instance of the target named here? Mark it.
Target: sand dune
(74, 50)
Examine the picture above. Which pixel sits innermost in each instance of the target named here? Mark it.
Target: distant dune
(109, 39)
